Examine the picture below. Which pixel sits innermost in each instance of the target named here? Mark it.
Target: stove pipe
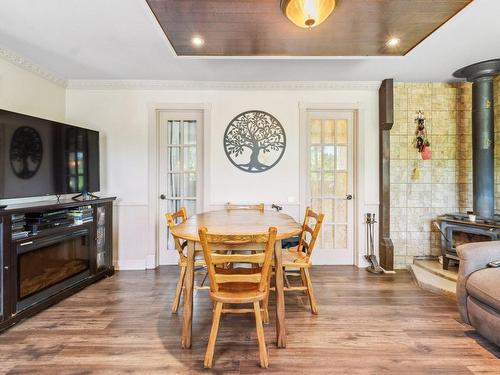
(483, 184)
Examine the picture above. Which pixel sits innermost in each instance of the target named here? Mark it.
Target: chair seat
(483, 285)
(292, 258)
(238, 292)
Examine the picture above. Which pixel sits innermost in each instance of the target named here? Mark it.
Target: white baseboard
(151, 262)
(169, 258)
(363, 263)
(328, 258)
(128, 265)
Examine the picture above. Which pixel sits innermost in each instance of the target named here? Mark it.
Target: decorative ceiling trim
(285, 57)
(220, 85)
(23, 63)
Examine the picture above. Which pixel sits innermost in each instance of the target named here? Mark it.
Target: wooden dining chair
(174, 219)
(237, 285)
(256, 207)
(300, 256)
(249, 207)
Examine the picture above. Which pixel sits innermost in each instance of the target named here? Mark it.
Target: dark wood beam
(386, 120)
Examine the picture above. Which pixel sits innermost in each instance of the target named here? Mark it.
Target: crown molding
(219, 85)
(31, 67)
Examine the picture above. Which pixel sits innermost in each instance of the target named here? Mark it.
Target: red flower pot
(426, 153)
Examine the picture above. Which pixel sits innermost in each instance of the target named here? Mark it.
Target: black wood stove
(457, 229)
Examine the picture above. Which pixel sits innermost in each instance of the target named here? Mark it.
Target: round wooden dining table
(235, 222)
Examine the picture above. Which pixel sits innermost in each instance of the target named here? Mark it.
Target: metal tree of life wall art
(254, 141)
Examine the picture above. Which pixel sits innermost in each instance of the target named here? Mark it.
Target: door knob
(348, 197)
(163, 196)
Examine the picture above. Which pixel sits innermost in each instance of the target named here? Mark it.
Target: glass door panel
(179, 169)
(330, 179)
(182, 161)
(103, 236)
(1, 270)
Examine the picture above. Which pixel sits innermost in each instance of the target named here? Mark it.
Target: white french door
(180, 169)
(330, 183)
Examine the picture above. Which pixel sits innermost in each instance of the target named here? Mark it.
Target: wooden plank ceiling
(258, 28)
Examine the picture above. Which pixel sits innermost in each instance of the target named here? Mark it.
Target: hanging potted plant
(421, 142)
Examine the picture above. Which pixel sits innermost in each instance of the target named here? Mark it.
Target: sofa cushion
(484, 285)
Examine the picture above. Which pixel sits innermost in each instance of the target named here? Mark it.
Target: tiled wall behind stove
(442, 184)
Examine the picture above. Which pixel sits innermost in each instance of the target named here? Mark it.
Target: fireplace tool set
(374, 267)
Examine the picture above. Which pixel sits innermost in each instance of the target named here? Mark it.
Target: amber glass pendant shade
(307, 13)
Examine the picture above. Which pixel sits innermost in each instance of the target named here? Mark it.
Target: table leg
(187, 323)
(280, 297)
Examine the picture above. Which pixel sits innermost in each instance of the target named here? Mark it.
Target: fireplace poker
(439, 229)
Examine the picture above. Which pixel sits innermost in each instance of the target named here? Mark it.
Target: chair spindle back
(172, 219)
(215, 261)
(305, 245)
(254, 207)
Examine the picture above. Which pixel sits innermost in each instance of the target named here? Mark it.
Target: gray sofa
(478, 288)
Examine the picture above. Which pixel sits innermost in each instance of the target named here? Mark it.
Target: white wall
(122, 117)
(25, 92)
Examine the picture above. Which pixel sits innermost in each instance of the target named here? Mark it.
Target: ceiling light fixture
(393, 42)
(307, 13)
(197, 41)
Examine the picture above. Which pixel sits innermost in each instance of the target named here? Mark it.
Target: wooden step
(430, 281)
(436, 268)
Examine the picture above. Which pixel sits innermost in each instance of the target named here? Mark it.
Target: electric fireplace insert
(50, 264)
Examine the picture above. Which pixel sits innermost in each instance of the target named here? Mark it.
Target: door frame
(358, 154)
(154, 226)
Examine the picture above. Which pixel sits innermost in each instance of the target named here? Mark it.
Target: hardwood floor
(367, 324)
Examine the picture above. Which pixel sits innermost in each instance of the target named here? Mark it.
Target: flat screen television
(42, 157)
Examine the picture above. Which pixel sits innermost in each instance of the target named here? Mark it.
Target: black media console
(50, 250)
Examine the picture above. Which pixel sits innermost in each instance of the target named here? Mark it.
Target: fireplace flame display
(51, 262)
